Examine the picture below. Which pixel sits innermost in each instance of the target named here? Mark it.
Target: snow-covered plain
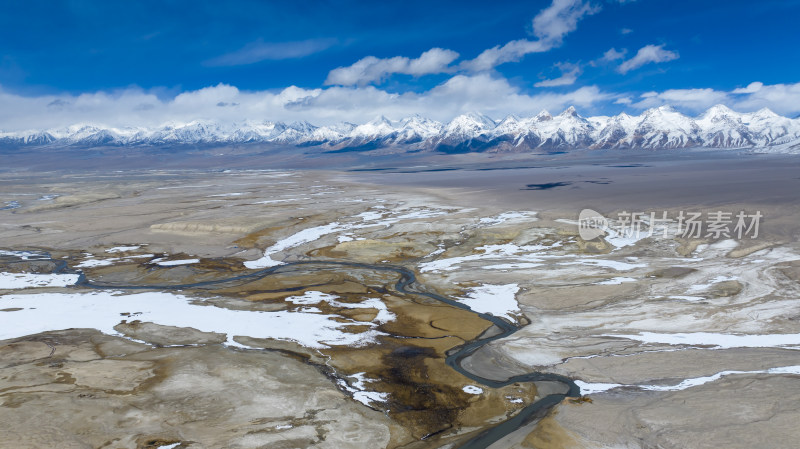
(102, 311)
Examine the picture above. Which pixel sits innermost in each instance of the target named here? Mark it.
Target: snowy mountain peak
(509, 119)
(470, 121)
(377, 127)
(480, 118)
(380, 120)
(543, 116)
(720, 113)
(765, 113)
(569, 112)
(720, 109)
(302, 126)
(417, 127)
(661, 110)
(414, 118)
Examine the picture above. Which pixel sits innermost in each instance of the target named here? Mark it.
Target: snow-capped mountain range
(657, 129)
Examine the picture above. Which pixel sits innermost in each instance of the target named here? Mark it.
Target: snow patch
(169, 446)
(497, 300)
(305, 236)
(500, 253)
(93, 263)
(605, 263)
(591, 388)
(172, 263)
(688, 298)
(472, 389)
(718, 341)
(122, 249)
(359, 392)
(508, 216)
(24, 255)
(615, 281)
(13, 281)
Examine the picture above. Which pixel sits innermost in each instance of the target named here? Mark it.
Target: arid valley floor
(250, 308)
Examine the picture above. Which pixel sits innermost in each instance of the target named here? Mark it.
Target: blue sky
(133, 63)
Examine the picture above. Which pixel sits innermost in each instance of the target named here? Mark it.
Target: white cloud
(646, 55)
(781, 98)
(549, 26)
(261, 51)
(135, 107)
(613, 54)
(510, 52)
(750, 89)
(569, 74)
(560, 18)
(688, 99)
(492, 95)
(372, 69)
(460, 94)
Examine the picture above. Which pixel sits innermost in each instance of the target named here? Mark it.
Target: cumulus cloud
(372, 69)
(549, 26)
(781, 98)
(750, 89)
(646, 55)
(569, 74)
(261, 51)
(688, 99)
(459, 94)
(484, 92)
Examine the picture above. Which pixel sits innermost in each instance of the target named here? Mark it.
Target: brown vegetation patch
(549, 434)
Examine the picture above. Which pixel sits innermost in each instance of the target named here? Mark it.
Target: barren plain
(290, 309)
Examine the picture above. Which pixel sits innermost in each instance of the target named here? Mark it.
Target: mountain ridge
(660, 128)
